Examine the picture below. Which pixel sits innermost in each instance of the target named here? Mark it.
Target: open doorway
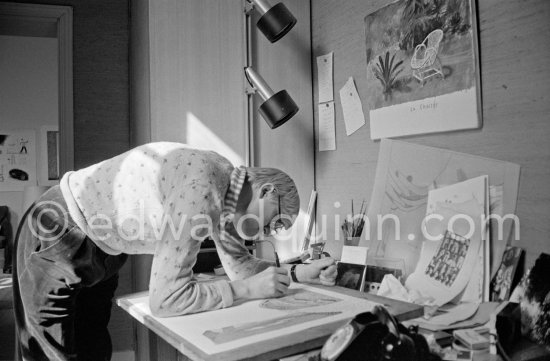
(36, 120)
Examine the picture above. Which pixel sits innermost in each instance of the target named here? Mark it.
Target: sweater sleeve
(191, 208)
(235, 257)
(173, 291)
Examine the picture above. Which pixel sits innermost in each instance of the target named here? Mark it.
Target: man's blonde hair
(290, 200)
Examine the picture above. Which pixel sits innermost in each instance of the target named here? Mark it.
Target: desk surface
(274, 348)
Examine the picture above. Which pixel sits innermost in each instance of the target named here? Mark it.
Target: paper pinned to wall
(17, 159)
(351, 107)
(327, 129)
(324, 77)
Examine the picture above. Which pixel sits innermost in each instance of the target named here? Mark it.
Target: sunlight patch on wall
(201, 137)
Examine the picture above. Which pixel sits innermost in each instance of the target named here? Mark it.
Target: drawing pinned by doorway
(17, 159)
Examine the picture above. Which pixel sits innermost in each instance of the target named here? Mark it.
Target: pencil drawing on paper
(237, 332)
(297, 299)
(448, 261)
(418, 49)
(17, 160)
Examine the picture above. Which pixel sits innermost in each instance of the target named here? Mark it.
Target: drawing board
(220, 331)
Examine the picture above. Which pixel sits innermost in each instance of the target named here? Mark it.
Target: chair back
(433, 39)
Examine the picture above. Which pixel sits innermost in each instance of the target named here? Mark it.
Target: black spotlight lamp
(278, 107)
(275, 21)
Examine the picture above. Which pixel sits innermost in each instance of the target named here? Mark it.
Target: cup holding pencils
(353, 226)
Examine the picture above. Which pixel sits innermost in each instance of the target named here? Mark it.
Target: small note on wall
(324, 77)
(351, 107)
(327, 131)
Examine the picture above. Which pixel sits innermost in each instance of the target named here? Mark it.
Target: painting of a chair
(425, 62)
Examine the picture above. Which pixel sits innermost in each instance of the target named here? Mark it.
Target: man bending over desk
(161, 199)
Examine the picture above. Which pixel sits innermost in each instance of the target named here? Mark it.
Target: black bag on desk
(376, 336)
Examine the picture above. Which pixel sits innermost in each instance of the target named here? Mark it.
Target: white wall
(28, 94)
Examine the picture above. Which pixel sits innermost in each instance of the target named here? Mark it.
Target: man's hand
(272, 282)
(322, 271)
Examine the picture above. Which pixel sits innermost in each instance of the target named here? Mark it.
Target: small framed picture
(351, 275)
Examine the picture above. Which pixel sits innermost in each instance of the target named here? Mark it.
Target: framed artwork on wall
(423, 73)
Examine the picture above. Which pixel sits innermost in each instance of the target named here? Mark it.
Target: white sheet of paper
(451, 314)
(477, 288)
(453, 111)
(480, 317)
(324, 78)
(327, 129)
(354, 254)
(443, 273)
(351, 107)
(248, 322)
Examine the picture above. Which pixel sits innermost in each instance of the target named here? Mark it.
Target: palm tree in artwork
(419, 18)
(386, 71)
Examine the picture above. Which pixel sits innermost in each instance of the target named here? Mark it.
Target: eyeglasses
(277, 224)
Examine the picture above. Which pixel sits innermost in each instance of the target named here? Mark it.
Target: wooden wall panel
(196, 62)
(140, 91)
(514, 50)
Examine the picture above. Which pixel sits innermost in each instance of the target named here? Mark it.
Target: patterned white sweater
(164, 199)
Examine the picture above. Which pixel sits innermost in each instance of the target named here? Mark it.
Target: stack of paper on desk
(480, 317)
